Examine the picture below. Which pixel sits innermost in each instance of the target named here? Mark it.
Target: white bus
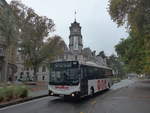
(74, 79)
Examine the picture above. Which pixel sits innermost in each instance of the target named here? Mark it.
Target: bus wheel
(92, 91)
(66, 97)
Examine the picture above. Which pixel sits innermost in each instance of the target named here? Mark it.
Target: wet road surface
(134, 98)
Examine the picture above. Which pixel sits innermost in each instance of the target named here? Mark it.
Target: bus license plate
(61, 95)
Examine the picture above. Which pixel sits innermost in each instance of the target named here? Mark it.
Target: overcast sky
(98, 31)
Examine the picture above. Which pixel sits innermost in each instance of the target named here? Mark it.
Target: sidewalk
(38, 90)
(122, 83)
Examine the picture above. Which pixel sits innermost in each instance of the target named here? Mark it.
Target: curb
(22, 101)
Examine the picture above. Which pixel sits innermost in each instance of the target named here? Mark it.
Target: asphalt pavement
(131, 98)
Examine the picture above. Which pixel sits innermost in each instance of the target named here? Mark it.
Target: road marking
(16, 105)
(94, 102)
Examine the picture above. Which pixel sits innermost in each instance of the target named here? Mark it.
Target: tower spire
(75, 13)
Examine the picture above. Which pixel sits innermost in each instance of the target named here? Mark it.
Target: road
(134, 98)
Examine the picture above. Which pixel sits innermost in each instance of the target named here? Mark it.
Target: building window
(76, 57)
(27, 69)
(21, 73)
(44, 69)
(1, 52)
(43, 77)
(37, 70)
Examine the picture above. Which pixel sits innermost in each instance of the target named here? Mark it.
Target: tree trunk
(5, 71)
(35, 78)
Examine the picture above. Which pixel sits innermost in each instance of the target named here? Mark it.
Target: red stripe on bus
(62, 87)
(101, 84)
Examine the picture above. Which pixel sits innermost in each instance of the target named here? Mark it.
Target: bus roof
(88, 63)
(93, 64)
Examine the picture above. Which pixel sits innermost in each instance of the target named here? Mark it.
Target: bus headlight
(72, 95)
(52, 93)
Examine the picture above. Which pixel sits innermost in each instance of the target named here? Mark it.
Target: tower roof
(75, 24)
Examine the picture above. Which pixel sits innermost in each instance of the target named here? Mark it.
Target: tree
(53, 47)
(135, 14)
(47, 52)
(8, 26)
(8, 35)
(102, 54)
(33, 31)
(116, 64)
(131, 55)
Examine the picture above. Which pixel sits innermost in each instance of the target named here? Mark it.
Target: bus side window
(88, 72)
(96, 73)
(100, 73)
(79, 72)
(83, 72)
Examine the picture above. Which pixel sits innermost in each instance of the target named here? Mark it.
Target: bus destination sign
(69, 64)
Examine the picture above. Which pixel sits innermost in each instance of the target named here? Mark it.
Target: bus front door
(84, 83)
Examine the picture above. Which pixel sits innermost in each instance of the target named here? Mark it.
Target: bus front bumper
(73, 94)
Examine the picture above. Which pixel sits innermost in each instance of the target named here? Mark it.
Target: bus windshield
(64, 75)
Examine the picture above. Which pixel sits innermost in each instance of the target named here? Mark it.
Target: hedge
(11, 92)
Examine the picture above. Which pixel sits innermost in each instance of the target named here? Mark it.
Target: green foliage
(131, 52)
(8, 93)
(8, 26)
(133, 12)
(2, 94)
(23, 92)
(53, 47)
(135, 50)
(20, 91)
(102, 54)
(33, 32)
(116, 64)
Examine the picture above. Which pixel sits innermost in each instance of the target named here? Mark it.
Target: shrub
(24, 92)
(20, 91)
(8, 91)
(1, 94)
(17, 91)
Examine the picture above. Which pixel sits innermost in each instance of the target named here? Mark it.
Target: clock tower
(75, 38)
